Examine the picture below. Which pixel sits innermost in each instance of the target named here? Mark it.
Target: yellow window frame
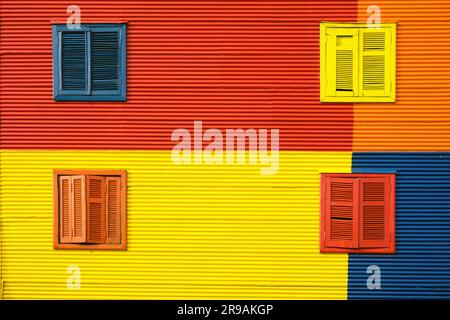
(328, 64)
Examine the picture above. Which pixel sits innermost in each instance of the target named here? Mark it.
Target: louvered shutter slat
(341, 213)
(344, 70)
(95, 189)
(73, 61)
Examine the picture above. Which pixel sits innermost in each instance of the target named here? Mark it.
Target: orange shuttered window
(358, 213)
(90, 210)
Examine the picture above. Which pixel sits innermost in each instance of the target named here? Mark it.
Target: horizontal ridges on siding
(194, 231)
(420, 119)
(232, 64)
(420, 267)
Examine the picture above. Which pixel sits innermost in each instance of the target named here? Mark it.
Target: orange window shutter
(65, 209)
(341, 214)
(96, 194)
(79, 209)
(113, 222)
(376, 212)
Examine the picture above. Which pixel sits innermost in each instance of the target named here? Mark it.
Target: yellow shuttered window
(357, 63)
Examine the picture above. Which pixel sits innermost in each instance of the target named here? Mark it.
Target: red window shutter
(341, 214)
(95, 189)
(376, 212)
(79, 209)
(113, 210)
(65, 210)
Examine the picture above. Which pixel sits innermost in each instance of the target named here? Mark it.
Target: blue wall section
(420, 267)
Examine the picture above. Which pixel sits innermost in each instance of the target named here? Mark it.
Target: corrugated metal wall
(201, 231)
(418, 121)
(420, 118)
(194, 231)
(229, 63)
(420, 268)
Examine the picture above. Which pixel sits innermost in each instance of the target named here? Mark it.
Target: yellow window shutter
(341, 62)
(357, 63)
(376, 63)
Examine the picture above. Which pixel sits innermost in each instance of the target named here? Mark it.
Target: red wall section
(232, 64)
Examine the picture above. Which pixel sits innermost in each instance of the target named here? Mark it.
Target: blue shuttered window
(89, 64)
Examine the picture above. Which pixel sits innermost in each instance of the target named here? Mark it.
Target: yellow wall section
(195, 231)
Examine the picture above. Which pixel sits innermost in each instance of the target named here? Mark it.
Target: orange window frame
(123, 209)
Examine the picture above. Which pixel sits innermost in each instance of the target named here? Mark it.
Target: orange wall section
(420, 119)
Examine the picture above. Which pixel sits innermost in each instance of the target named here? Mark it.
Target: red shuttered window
(90, 209)
(357, 213)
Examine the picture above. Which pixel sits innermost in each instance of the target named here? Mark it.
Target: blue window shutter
(73, 61)
(105, 61)
(90, 64)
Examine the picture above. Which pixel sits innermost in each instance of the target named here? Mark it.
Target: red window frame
(352, 238)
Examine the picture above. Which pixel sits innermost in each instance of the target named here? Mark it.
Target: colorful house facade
(95, 205)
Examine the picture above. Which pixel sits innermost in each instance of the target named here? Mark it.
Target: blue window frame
(89, 64)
